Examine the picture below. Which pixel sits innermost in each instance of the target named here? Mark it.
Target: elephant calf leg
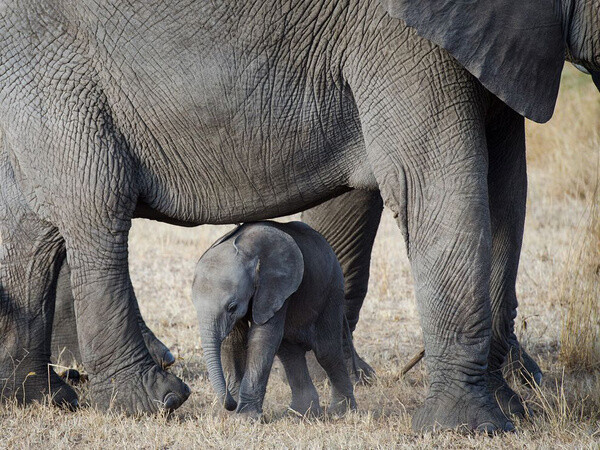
(349, 223)
(328, 349)
(305, 399)
(263, 342)
(234, 357)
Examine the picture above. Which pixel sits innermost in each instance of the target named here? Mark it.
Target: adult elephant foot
(160, 352)
(37, 385)
(523, 366)
(461, 409)
(509, 401)
(149, 391)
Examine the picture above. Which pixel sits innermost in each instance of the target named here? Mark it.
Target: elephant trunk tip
(229, 403)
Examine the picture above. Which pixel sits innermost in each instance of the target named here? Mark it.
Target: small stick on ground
(413, 362)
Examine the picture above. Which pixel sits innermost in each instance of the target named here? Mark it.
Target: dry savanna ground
(559, 291)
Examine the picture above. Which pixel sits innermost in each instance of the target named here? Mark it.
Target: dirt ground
(563, 158)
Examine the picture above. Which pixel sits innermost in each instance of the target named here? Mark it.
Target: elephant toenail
(168, 359)
(538, 378)
(487, 428)
(172, 401)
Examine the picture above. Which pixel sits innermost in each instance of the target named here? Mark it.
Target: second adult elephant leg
(349, 223)
(30, 256)
(64, 333)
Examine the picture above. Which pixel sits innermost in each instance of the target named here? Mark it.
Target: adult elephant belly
(237, 135)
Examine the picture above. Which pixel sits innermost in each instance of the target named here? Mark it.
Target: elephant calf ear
(516, 48)
(278, 273)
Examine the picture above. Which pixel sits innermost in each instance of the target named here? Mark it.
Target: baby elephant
(270, 288)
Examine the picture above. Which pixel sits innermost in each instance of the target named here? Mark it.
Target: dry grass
(570, 159)
(553, 279)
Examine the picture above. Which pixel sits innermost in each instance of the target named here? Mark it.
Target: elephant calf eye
(231, 308)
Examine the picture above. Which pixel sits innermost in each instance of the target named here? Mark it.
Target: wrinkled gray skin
(223, 112)
(282, 289)
(349, 222)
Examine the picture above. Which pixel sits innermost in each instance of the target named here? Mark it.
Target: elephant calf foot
(364, 373)
(35, 385)
(138, 391)
(341, 405)
(248, 412)
(306, 403)
(464, 409)
(73, 377)
(509, 401)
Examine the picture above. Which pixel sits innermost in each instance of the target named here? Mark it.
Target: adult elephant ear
(516, 48)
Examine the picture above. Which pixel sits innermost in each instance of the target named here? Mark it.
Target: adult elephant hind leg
(349, 223)
(30, 257)
(122, 372)
(65, 344)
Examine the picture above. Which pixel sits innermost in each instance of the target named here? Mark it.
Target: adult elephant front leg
(349, 223)
(433, 175)
(448, 238)
(95, 225)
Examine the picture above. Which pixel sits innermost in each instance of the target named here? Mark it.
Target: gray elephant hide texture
(524, 38)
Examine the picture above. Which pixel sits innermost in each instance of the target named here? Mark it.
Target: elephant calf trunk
(212, 354)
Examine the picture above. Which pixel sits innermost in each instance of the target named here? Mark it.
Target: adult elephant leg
(519, 363)
(507, 184)
(425, 141)
(65, 345)
(121, 370)
(95, 224)
(448, 236)
(30, 257)
(349, 223)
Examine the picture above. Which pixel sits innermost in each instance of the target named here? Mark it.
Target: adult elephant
(111, 111)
